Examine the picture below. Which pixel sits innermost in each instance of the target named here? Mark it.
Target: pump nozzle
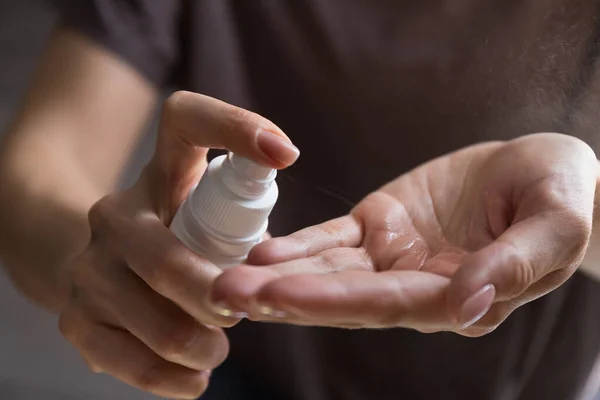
(251, 170)
(245, 178)
(227, 213)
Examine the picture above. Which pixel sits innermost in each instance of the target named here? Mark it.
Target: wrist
(40, 232)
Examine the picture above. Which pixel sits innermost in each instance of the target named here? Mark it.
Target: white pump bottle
(227, 213)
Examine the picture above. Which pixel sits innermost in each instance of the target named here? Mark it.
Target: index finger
(341, 232)
(191, 124)
(411, 299)
(195, 120)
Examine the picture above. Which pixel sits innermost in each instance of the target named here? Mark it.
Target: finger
(391, 234)
(121, 355)
(234, 291)
(210, 123)
(357, 298)
(172, 270)
(519, 258)
(444, 263)
(345, 231)
(191, 123)
(501, 310)
(158, 322)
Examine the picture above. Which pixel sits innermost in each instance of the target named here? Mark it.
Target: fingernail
(271, 312)
(277, 148)
(226, 311)
(476, 306)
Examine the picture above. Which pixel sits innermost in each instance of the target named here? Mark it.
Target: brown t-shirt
(369, 89)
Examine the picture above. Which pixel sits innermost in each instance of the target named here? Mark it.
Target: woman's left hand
(454, 245)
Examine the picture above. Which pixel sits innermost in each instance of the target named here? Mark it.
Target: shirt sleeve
(142, 32)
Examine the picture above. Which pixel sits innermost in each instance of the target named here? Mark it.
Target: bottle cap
(234, 198)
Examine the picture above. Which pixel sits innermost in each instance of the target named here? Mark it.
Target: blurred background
(35, 361)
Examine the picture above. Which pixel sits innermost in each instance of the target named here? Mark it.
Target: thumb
(516, 263)
(191, 124)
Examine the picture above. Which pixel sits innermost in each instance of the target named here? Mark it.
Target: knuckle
(579, 235)
(333, 230)
(396, 306)
(80, 276)
(303, 242)
(72, 327)
(162, 274)
(101, 214)
(155, 276)
(199, 386)
(151, 379)
(390, 319)
(523, 275)
(582, 227)
(83, 275)
(158, 280)
(393, 317)
(555, 191)
(216, 352)
(241, 121)
(157, 378)
(239, 116)
(325, 262)
(364, 258)
(177, 342)
(175, 101)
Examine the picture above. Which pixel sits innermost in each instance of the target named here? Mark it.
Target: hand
(139, 309)
(456, 244)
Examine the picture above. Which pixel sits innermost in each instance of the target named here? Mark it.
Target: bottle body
(226, 214)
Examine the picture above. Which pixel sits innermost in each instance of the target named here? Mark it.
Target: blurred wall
(35, 362)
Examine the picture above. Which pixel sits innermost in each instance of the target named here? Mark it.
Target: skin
(513, 217)
(134, 259)
(455, 245)
(83, 252)
(62, 126)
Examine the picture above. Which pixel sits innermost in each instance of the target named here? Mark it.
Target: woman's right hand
(139, 309)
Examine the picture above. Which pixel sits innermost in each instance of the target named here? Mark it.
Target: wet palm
(497, 222)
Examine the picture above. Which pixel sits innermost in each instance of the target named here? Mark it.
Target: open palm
(456, 244)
